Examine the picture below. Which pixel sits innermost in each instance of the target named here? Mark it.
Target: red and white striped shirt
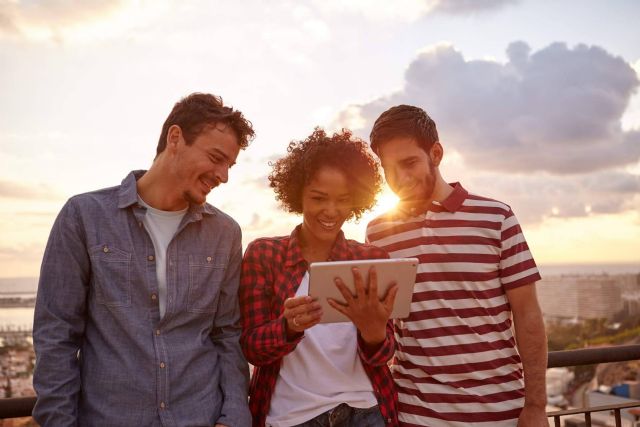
(457, 362)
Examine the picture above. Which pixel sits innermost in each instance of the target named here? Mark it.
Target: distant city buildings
(575, 298)
(16, 372)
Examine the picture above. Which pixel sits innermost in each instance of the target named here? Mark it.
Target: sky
(537, 103)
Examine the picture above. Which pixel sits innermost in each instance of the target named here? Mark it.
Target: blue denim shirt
(104, 356)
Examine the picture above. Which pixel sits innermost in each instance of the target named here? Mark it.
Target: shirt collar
(339, 251)
(128, 196)
(456, 198)
(452, 203)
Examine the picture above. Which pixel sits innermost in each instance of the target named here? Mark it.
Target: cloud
(409, 10)
(540, 196)
(466, 7)
(17, 190)
(556, 110)
(56, 20)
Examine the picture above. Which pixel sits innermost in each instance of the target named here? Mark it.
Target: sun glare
(386, 202)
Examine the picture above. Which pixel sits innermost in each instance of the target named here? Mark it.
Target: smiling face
(205, 164)
(326, 205)
(408, 169)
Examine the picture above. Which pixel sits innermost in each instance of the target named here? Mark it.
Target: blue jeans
(344, 415)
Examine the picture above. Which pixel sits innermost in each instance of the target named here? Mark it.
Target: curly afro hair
(341, 151)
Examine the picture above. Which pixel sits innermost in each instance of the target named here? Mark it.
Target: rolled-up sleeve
(234, 380)
(59, 321)
(264, 340)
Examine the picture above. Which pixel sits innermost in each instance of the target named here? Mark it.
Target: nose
(396, 177)
(222, 174)
(331, 209)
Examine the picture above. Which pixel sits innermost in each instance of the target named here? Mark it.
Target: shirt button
(162, 405)
(162, 365)
(209, 259)
(105, 249)
(157, 331)
(154, 297)
(150, 257)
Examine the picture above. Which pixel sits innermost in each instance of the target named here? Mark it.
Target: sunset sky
(537, 103)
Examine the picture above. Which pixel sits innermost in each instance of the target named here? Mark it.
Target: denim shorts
(344, 415)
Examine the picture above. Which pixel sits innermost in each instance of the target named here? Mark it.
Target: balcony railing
(22, 406)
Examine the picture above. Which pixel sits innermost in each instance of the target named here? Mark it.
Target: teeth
(328, 224)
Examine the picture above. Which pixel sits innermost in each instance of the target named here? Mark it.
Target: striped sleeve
(517, 267)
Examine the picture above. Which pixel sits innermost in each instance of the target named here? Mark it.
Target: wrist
(536, 404)
(375, 338)
(290, 334)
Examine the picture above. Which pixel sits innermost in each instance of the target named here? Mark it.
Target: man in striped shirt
(473, 350)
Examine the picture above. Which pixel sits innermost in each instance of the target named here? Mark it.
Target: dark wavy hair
(404, 121)
(196, 111)
(341, 151)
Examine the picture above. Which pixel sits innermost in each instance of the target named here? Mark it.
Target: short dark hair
(196, 111)
(340, 151)
(404, 121)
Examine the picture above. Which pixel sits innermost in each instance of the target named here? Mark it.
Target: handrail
(593, 355)
(15, 407)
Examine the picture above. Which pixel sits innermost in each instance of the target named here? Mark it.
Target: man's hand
(533, 416)
(364, 309)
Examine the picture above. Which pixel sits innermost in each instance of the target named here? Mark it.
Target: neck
(156, 189)
(312, 249)
(441, 190)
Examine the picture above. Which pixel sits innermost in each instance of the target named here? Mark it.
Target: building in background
(575, 298)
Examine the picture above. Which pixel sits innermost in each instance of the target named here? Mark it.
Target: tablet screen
(400, 270)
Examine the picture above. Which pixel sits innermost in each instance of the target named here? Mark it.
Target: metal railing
(22, 406)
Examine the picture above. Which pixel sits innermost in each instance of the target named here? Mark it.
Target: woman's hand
(364, 309)
(301, 313)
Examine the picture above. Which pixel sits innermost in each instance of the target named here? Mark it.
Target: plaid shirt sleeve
(264, 338)
(374, 359)
(381, 354)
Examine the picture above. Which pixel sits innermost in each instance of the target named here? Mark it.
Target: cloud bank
(546, 125)
(556, 110)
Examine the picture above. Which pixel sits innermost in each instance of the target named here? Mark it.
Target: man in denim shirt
(136, 320)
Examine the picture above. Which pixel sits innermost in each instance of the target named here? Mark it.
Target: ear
(436, 153)
(174, 136)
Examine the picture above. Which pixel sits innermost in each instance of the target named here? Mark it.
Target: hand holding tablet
(353, 286)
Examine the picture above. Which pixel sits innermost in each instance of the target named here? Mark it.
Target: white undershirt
(322, 372)
(161, 226)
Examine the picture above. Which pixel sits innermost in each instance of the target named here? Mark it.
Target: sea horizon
(29, 284)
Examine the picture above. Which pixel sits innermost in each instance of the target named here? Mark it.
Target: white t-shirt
(161, 226)
(322, 372)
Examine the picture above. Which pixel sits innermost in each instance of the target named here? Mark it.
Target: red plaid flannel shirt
(272, 269)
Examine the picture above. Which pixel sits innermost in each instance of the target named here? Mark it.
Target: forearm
(234, 379)
(267, 343)
(532, 346)
(57, 383)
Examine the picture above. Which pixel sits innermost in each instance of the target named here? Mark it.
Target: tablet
(400, 270)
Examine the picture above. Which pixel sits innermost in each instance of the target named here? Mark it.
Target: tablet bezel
(399, 270)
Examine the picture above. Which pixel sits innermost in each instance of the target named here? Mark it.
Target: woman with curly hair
(306, 373)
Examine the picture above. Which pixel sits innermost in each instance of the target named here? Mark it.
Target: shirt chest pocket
(206, 273)
(111, 275)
